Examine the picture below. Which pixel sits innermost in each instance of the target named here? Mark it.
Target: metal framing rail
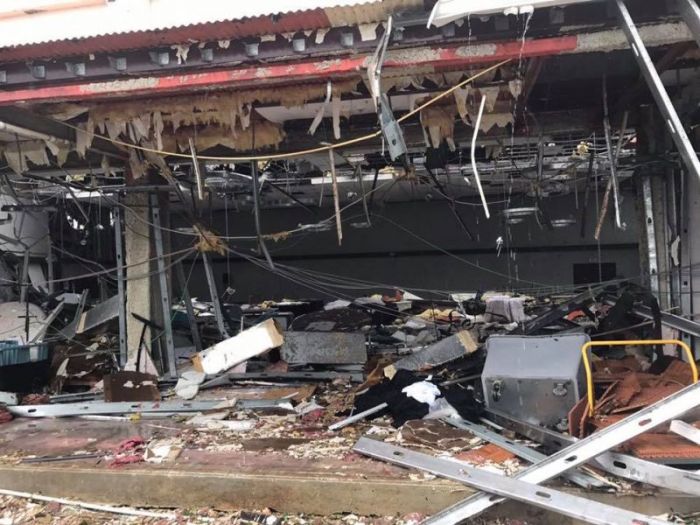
(566, 504)
(171, 365)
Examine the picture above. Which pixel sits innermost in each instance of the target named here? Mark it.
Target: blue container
(12, 353)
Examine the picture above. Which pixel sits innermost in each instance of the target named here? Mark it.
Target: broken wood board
(338, 348)
(235, 350)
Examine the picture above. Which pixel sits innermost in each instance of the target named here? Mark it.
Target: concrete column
(138, 248)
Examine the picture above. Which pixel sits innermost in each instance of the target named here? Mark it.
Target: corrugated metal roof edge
(237, 21)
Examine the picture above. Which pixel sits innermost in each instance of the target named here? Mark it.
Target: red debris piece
(489, 453)
(36, 399)
(128, 451)
(5, 415)
(656, 446)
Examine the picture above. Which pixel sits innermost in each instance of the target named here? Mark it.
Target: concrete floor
(246, 479)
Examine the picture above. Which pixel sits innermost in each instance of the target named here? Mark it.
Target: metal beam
(546, 498)
(687, 326)
(582, 451)
(673, 123)
(147, 407)
(184, 290)
(121, 285)
(691, 16)
(214, 295)
(650, 233)
(164, 289)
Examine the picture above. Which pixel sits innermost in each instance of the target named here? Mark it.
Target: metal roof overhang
(427, 58)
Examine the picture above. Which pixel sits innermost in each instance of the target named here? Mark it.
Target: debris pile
(490, 382)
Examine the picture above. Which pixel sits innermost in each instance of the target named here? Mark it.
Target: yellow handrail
(587, 364)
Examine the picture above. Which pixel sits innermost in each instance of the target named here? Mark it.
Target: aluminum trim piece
(154, 407)
(582, 451)
(622, 465)
(566, 504)
(357, 417)
(522, 451)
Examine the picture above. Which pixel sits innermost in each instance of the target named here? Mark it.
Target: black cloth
(403, 408)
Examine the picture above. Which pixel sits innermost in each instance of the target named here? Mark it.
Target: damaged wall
(387, 254)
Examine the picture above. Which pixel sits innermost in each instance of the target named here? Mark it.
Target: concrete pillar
(138, 248)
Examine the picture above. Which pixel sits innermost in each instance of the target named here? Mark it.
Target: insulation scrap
(461, 95)
(267, 134)
(491, 94)
(33, 151)
(320, 35)
(367, 32)
(500, 120)
(515, 87)
(208, 241)
(440, 124)
(59, 150)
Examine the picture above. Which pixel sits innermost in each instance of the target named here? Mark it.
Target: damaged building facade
(350, 261)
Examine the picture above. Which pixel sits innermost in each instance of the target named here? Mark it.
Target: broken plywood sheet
(451, 348)
(235, 350)
(340, 348)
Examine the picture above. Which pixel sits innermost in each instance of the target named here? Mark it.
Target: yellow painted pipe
(647, 342)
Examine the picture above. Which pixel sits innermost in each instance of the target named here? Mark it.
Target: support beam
(673, 123)
(214, 295)
(171, 359)
(187, 299)
(435, 58)
(121, 291)
(691, 16)
(650, 236)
